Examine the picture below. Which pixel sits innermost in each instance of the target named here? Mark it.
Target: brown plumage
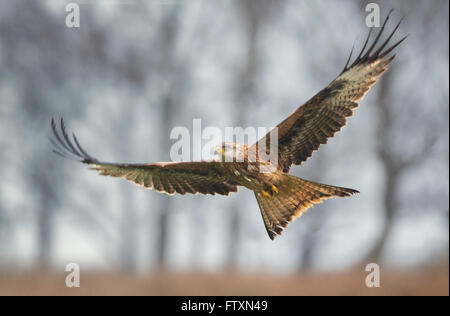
(281, 197)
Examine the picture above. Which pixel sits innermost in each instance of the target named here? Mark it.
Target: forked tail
(294, 197)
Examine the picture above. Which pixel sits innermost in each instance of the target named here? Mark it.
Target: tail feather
(295, 196)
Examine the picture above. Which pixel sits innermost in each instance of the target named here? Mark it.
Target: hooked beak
(219, 150)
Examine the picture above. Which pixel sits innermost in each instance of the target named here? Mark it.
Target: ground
(430, 281)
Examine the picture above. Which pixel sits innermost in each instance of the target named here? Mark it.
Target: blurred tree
(50, 70)
(398, 112)
(310, 236)
(172, 96)
(128, 220)
(394, 165)
(3, 233)
(36, 24)
(42, 79)
(253, 14)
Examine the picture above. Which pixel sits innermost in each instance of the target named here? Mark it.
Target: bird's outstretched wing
(300, 134)
(167, 177)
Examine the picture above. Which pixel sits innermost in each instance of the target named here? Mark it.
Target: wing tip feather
(370, 55)
(64, 147)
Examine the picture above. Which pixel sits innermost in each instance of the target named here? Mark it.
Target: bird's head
(229, 152)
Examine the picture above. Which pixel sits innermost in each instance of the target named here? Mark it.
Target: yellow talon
(266, 194)
(274, 189)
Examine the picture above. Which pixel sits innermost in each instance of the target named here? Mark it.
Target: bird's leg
(269, 191)
(266, 194)
(274, 189)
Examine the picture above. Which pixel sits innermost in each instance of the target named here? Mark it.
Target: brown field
(431, 281)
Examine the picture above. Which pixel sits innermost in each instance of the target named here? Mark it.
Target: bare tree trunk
(310, 238)
(127, 224)
(253, 13)
(309, 243)
(44, 235)
(244, 91)
(390, 165)
(169, 33)
(128, 260)
(163, 215)
(163, 222)
(389, 209)
(4, 225)
(45, 215)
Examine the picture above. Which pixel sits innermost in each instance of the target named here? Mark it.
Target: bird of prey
(281, 197)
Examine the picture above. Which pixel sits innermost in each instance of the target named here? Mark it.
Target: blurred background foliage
(134, 70)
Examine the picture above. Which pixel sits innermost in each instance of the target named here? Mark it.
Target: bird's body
(280, 196)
